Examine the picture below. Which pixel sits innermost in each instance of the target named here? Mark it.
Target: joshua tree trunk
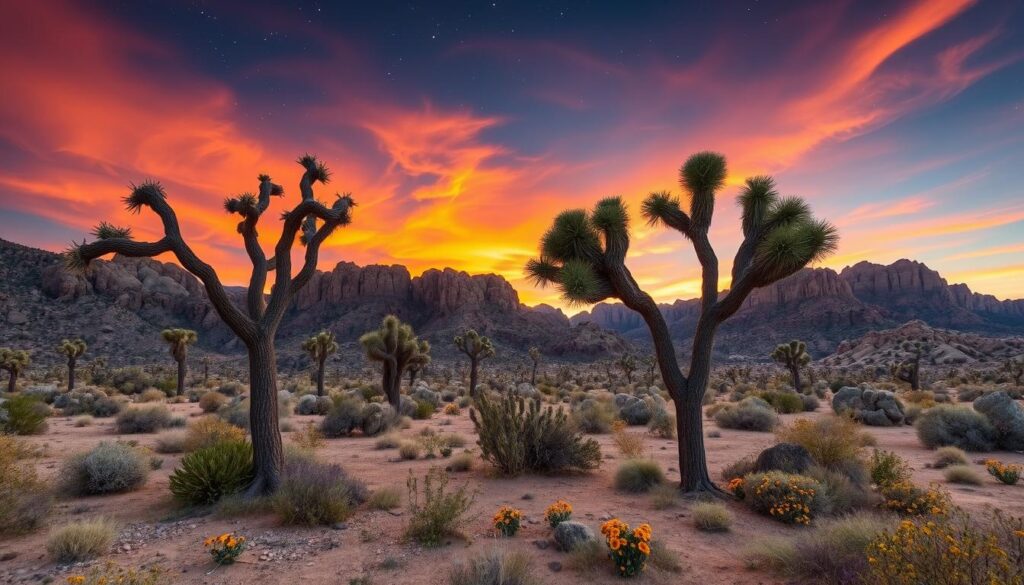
(321, 364)
(412, 378)
(182, 372)
(391, 383)
(12, 382)
(473, 375)
(533, 375)
(263, 417)
(71, 373)
(795, 372)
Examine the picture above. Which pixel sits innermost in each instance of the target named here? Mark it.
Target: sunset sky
(462, 129)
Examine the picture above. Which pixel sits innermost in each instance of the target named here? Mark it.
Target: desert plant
(593, 416)
(956, 426)
(627, 363)
(793, 356)
(783, 402)
(435, 513)
(81, 540)
(961, 474)
(1007, 474)
(320, 347)
(909, 370)
(835, 442)
(110, 572)
(507, 520)
(410, 450)
(517, 435)
(143, 419)
(747, 415)
(108, 468)
(534, 354)
(558, 512)
(662, 424)
(170, 442)
(24, 415)
(212, 401)
(345, 416)
(631, 445)
(208, 431)
(888, 468)
(628, 549)
(178, 341)
(72, 349)
(256, 324)
(946, 456)
(711, 517)
(14, 362)
(395, 346)
(206, 475)
(1015, 367)
(494, 567)
(638, 475)
(315, 493)
(909, 500)
(25, 499)
(789, 498)
(584, 255)
(477, 348)
(385, 498)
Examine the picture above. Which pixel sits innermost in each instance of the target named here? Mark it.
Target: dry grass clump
(962, 474)
(25, 500)
(385, 498)
(711, 517)
(208, 431)
(81, 540)
(638, 475)
(495, 567)
(946, 456)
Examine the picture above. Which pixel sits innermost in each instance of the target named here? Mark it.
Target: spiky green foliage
(211, 473)
(395, 346)
(108, 231)
(519, 435)
(144, 195)
(14, 362)
(179, 340)
(473, 344)
(72, 348)
(703, 174)
(320, 346)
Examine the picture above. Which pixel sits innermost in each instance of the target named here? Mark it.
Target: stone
(869, 406)
(786, 457)
(555, 566)
(569, 535)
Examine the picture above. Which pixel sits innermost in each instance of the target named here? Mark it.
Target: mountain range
(119, 306)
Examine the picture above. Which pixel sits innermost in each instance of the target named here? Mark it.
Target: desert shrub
(839, 494)
(232, 389)
(207, 431)
(170, 442)
(24, 415)
(424, 410)
(385, 498)
(747, 415)
(343, 418)
(711, 517)
(518, 435)
(461, 462)
(83, 421)
(112, 573)
(109, 468)
(909, 500)
(955, 426)
(662, 424)
(494, 567)
(953, 548)
(833, 441)
(236, 412)
(388, 441)
(434, 512)
(212, 401)
(81, 540)
(206, 475)
(962, 474)
(1007, 474)
(810, 402)
(24, 499)
(152, 395)
(740, 467)
(888, 468)
(309, 438)
(410, 450)
(946, 456)
(967, 393)
(314, 493)
(131, 380)
(630, 444)
(638, 475)
(594, 417)
(311, 404)
(789, 498)
(143, 419)
(783, 402)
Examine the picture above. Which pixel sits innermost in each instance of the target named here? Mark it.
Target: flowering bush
(952, 549)
(907, 499)
(1008, 474)
(507, 520)
(790, 498)
(735, 487)
(629, 548)
(225, 548)
(111, 573)
(558, 512)
(452, 409)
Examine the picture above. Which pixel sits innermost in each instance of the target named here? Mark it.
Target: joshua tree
(909, 370)
(256, 324)
(179, 340)
(319, 347)
(627, 363)
(206, 368)
(584, 255)
(417, 366)
(73, 349)
(1015, 367)
(478, 348)
(395, 346)
(793, 356)
(535, 358)
(14, 361)
(650, 365)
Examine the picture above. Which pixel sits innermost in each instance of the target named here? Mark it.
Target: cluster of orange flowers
(735, 487)
(789, 501)
(1008, 474)
(225, 548)
(629, 548)
(507, 520)
(558, 512)
(907, 499)
(451, 409)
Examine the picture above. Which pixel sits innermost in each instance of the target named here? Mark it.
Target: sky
(462, 129)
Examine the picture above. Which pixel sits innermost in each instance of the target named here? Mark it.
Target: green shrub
(314, 493)
(232, 389)
(517, 435)
(962, 474)
(783, 402)
(25, 500)
(956, 426)
(344, 417)
(638, 475)
(82, 540)
(494, 567)
(109, 468)
(833, 441)
(594, 417)
(888, 468)
(143, 419)
(212, 401)
(946, 456)
(747, 415)
(435, 513)
(206, 475)
(424, 410)
(839, 494)
(711, 517)
(25, 415)
(662, 424)
(789, 498)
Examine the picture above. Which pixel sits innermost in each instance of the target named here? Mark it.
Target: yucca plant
(396, 347)
(477, 348)
(178, 340)
(14, 361)
(320, 347)
(255, 324)
(72, 349)
(584, 254)
(793, 356)
(534, 354)
(213, 472)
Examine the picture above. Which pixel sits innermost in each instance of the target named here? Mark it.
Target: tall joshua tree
(909, 370)
(256, 323)
(627, 363)
(584, 255)
(417, 365)
(320, 347)
(72, 349)
(179, 340)
(395, 346)
(14, 361)
(793, 356)
(535, 358)
(478, 348)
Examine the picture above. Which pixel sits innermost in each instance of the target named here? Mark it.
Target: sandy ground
(325, 555)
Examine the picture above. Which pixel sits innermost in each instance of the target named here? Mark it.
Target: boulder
(878, 408)
(569, 535)
(785, 457)
(1007, 416)
(377, 418)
